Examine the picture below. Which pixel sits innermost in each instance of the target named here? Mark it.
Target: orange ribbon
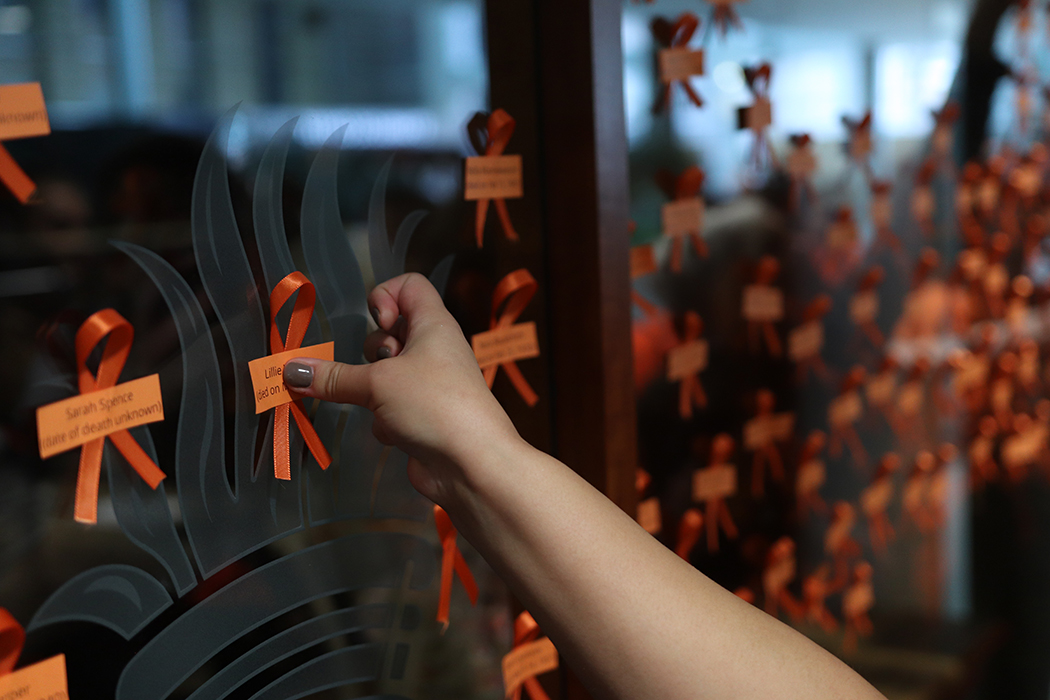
(12, 639)
(724, 15)
(92, 332)
(302, 312)
(677, 36)
(526, 630)
(15, 178)
(686, 186)
(517, 290)
(690, 391)
(500, 129)
(688, 532)
(451, 559)
(758, 82)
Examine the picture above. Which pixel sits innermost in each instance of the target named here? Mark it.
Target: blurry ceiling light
(729, 77)
(15, 19)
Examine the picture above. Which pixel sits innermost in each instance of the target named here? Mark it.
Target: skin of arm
(632, 618)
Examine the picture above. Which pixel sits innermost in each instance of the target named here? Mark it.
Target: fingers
(411, 296)
(329, 381)
(380, 345)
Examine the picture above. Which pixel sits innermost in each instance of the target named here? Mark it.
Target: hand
(423, 386)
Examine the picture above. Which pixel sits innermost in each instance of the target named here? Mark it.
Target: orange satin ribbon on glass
(92, 332)
(517, 290)
(12, 639)
(14, 177)
(302, 312)
(451, 560)
(500, 129)
(724, 15)
(686, 186)
(758, 82)
(690, 390)
(681, 32)
(526, 630)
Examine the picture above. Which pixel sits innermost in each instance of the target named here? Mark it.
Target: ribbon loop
(526, 629)
(515, 291)
(12, 640)
(302, 312)
(451, 561)
(120, 332)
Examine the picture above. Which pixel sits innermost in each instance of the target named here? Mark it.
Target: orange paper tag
(22, 111)
(507, 344)
(493, 177)
(527, 661)
(806, 341)
(679, 63)
(714, 482)
(643, 261)
(268, 374)
(864, 307)
(762, 303)
(880, 389)
(649, 515)
(759, 115)
(759, 432)
(43, 681)
(78, 420)
(686, 360)
(875, 498)
(845, 410)
(682, 217)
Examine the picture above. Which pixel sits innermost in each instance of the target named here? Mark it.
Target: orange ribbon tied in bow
(12, 639)
(516, 291)
(684, 192)
(690, 390)
(302, 312)
(500, 128)
(675, 36)
(451, 560)
(93, 331)
(759, 115)
(521, 665)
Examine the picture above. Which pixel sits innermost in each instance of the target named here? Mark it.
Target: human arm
(633, 619)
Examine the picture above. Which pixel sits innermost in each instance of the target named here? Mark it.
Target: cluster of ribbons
(12, 639)
(758, 82)
(675, 36)
(451, 561)
(527, 630)
(121, 333)
(302, 312)
(498, 130)
(686, 186)
(515, 291)
(690, 391)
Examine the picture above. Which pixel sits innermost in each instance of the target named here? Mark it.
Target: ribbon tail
(15, 178)
(85, 508)
(685, 405)
(536, 691)
(466, 576)
(137, 458)
(479, 221)
(445, 596)
(504, 217)
(313, 440)
(676, 255)
(644, 304)
(692, 93)
(520, 383)
(282, 449)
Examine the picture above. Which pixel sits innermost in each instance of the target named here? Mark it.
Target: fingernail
(383, 352)
(375, 314)
(298, 374)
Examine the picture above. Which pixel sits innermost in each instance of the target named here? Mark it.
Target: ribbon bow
(12, 639)
(92, 332)
(498, 130)
(516, 290)
(675, 36)
(451, 559)
(690, 391)
(686, 186)
(526, 630)
(723, 15)
(302, 312)
(757, 79)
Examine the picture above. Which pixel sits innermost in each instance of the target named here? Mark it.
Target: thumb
(329, 381)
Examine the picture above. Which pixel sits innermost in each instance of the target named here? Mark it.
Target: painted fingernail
(298, 375)
(383, 352)
(375, 314)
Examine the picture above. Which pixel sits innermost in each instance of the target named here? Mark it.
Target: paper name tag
(493, 177)
(845, 410)
(527, 661)
(864, 307)
(972, 374)
(841, 234)
(760, 431)
(495, 347)
(43, 681)
(22, 111)
(714, 482)
(680, 63)
(996, 279)
(880, 389)
(649, 515)
(806, 341)
(643, 261)
(1023, 448)
(762, 303)
(858, 600)
(881, 212)
(811, 476)
(875, 498)
(80, 419)
(909, 401)
(758, 116)
(686, 360)
(922, 203)
(268, 374)
(801, 163)
(683, 217)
